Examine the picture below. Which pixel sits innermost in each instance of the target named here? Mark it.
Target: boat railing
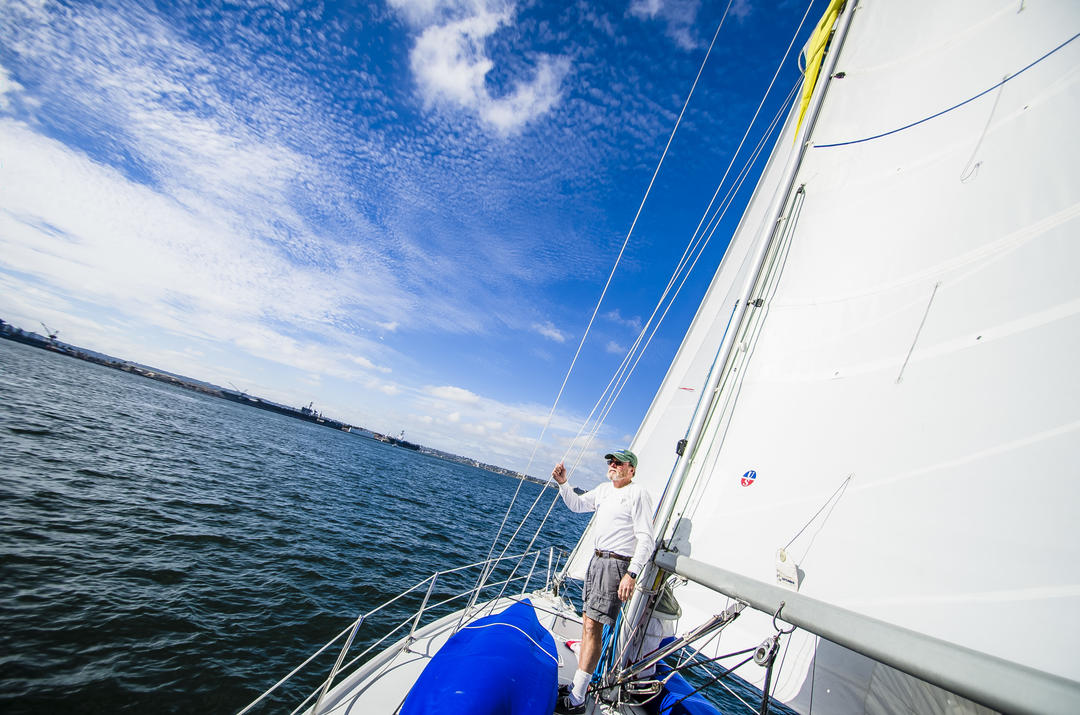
(414, 620)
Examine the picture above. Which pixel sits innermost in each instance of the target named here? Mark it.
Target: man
(624, 543)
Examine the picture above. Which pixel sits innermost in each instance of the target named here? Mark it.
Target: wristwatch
(632, 575)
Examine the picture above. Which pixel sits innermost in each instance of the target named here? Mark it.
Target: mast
(766, 248)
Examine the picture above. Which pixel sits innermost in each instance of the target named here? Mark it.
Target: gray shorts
(601, 593)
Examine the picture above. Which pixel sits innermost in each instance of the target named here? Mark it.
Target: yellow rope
(815, 52)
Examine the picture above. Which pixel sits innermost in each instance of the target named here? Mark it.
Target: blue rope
(957, 106)
(607, 650)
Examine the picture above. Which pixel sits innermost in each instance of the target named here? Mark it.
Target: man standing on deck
(624, 543)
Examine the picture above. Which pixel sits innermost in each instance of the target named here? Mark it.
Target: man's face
(620, 473)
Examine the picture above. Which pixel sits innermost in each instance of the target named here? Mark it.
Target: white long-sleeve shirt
(623, 521)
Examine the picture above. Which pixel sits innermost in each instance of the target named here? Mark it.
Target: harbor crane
(50, 332)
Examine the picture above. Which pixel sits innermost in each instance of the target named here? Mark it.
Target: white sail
(905, 395)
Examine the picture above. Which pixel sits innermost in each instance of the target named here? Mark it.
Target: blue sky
(404, 211)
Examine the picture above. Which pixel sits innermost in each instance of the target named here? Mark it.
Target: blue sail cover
(505, 663)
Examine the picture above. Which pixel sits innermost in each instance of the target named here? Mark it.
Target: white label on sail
(787, 571)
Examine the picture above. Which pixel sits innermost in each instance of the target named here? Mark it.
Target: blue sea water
(165, 551)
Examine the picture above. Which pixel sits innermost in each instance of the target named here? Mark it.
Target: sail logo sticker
(748, 478)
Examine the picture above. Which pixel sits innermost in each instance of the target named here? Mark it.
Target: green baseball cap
(623, 455)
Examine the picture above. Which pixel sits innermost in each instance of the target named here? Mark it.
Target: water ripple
(163, 551)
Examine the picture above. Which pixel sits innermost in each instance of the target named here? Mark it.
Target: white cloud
(549, 331)
(740, 9)
(542, 354)
(144, 256)
(454, 394)
(425, 12)
(528, 100)
(679, 18)
(367, 364)
(614, 348)
(645, 8)
(8, 86)
(616, 317)
(451, 63)
(449, 60)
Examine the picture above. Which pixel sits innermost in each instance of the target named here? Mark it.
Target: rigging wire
(718, 216)
(714, 222)
(695, 249)
(687, 263)
(652, 181)
(614, 395)
(696, 238)
(1008, 78)
(607, 284)
(695, 658)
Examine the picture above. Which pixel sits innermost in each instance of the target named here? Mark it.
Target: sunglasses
(616, 463)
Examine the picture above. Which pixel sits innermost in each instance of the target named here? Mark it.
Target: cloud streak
(549, 331)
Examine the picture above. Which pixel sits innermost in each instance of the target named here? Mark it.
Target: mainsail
(896, 429)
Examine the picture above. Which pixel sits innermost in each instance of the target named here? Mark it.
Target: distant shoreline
(50, 343)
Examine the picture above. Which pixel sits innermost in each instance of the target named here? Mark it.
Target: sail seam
(943, 112)
(976, 258)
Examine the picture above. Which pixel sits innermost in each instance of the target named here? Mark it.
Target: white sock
(581, 684)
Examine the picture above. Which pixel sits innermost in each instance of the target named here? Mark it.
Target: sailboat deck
(380, 685)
